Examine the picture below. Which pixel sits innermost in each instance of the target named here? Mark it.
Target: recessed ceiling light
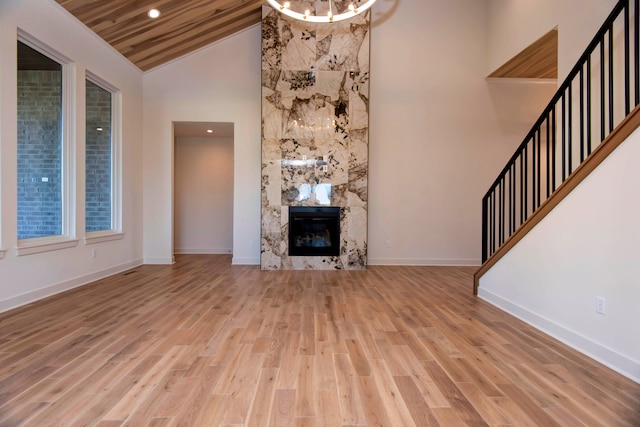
(153, 13)
(209, 130)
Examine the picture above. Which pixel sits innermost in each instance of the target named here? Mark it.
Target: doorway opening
(203, 187)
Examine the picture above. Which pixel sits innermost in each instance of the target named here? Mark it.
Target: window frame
(115, 232)
(67, 238)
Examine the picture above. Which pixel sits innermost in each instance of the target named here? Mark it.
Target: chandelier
(284, 8)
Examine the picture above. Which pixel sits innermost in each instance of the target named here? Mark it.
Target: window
(101, 161)
(40, 144)
(98, 158)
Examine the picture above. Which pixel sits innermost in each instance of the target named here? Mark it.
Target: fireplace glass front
(314, 231)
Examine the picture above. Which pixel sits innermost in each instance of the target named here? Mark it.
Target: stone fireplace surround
(315, 131)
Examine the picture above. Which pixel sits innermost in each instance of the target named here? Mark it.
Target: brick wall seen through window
(98, 158)
(39, 144)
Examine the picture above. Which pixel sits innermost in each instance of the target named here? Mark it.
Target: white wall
(515, 24)
(440, 133)
(203, 195)
(586, 247)
(220, 83)
(29, 277)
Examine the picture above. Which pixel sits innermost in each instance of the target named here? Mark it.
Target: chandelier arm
(320, 19)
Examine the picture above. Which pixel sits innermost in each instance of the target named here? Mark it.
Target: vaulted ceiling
(183, 25)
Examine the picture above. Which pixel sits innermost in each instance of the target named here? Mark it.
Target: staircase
(594, 110)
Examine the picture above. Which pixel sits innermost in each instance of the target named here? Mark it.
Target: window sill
(102, 236)
(44, 244)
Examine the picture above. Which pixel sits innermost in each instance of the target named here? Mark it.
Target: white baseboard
(159, 261)
(202, 251)
(618, 362)
(245, 261)
(425, 262)
(48, 291)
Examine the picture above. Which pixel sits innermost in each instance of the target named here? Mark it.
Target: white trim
(202, 251)
(44, 244)
(245, 261)
(102, 236)
(426, 262)
(159, 261)
(618, 362)
(66, 285)
(41, 47)
(116, 149)
(69, 159)
(67, 155)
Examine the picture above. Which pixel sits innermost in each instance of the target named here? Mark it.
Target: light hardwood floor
(203, 343)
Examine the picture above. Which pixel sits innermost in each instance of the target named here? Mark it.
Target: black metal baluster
(526, 183)
(611, 78)
(570, 132)
(548, 158)
(485, 233)
(602, 94)
(501, 214)
(581, 115)
(627, 76)
(521, 188)
(513, 198)
(636, 49)
(534, 178)
(564, 137)
(510, 175)
(492, 233)
(553, 148)
(539, 168)
(589, 83)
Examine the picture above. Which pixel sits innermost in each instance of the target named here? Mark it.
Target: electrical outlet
(600, 305)
(94, 253)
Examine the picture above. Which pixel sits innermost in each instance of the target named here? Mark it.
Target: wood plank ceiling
(183, 26)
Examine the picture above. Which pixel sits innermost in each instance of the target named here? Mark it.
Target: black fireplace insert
(314, 231)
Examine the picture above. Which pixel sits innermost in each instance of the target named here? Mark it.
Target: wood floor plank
(205, 343)
(242, 388)
(150, 380)
(290, 362)
(283, 408)
(262, 401)
(420, 411)
(351, 408)
(192, 409)
(393, 401)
